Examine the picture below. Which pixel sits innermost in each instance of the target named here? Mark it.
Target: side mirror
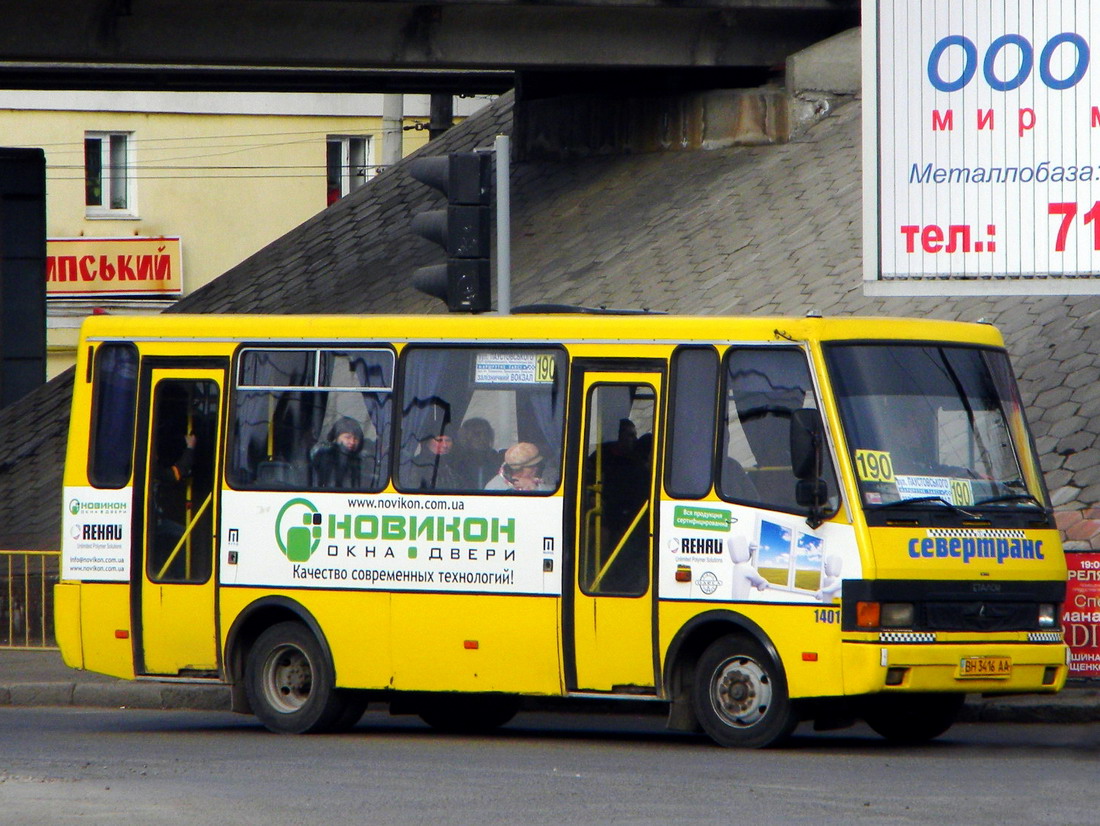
(811, 493)
(807, 459)
(807, 443)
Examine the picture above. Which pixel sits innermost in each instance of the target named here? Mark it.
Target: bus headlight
(897, 615)
(1048, 615)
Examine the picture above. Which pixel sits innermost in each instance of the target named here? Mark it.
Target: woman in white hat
(522, 469)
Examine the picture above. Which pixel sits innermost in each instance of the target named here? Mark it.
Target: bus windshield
(934, 425)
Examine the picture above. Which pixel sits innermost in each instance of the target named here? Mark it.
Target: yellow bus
(750, 521)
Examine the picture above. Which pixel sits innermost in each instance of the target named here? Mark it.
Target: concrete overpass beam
(347, 34)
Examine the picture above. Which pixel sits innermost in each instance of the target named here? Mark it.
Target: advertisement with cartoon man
(745, 555)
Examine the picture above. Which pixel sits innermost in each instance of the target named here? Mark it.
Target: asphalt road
(81, 765)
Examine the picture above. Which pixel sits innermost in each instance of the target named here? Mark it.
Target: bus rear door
(173, 587)
(615, 423)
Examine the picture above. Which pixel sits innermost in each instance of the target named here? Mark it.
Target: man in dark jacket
(337, 462)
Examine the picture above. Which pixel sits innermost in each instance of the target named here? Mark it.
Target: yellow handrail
(185, 537)
(622, 543)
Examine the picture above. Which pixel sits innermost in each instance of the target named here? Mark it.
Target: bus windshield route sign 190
(981, 147)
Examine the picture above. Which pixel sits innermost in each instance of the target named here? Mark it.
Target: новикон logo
(302, 534)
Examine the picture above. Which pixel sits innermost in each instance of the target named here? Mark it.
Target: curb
(1070, 706)
(117, 695)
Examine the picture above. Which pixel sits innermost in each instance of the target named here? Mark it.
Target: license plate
(988, 668)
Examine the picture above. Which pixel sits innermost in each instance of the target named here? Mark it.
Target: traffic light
(462, 229)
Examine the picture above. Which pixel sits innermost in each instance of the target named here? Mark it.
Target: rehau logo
(101, 533)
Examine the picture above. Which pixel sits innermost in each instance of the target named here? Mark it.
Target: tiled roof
(771, 229)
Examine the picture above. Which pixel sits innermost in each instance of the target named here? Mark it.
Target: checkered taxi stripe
(907, 636)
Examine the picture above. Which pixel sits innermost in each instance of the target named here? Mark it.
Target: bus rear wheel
(739, 695)
(913, 718)
(290, 683)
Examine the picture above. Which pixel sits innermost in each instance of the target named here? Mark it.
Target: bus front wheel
(739, 696)
(290, 683)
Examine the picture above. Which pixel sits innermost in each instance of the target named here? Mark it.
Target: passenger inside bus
(624, 473)
(338, 461)
(522, 470)
(434, 467)
(617, 479)
(168, 506)
(181, 465)
(475, 458)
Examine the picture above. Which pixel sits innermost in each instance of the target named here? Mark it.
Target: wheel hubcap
(740, 692)
(287, 678)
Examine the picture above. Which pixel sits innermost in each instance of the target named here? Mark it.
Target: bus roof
(552, 328)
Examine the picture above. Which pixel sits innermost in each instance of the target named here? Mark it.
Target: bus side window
(691, 424)
(762, 387)
(291, 407)
(463, 407)
(111, 456)
(359, 398)
(272, 421)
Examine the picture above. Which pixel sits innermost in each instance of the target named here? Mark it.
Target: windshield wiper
(1011, 497)
(917, 500)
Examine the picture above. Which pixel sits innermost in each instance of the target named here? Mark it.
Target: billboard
(113, 267)
(981, 147)
(1081, 614)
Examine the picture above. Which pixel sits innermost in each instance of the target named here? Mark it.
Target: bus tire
(468, 713)
(290, 683)
(740, 696)
(354, 706)
(908, 719)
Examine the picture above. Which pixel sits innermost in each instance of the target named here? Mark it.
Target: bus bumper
(986, 668)
(66, 623)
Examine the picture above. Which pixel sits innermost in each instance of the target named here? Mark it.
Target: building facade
(150, 195)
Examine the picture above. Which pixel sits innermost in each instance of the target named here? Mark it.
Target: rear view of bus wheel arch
(739, 695)
(290, 684)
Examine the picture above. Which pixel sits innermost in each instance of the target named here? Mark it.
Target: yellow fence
(26, 598)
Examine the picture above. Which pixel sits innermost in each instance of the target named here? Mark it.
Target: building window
(108, 176)
(347, 165)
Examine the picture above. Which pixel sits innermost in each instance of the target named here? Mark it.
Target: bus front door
(612, 575)
(173, 589)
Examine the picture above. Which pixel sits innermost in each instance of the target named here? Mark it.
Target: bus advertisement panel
(392, 542)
